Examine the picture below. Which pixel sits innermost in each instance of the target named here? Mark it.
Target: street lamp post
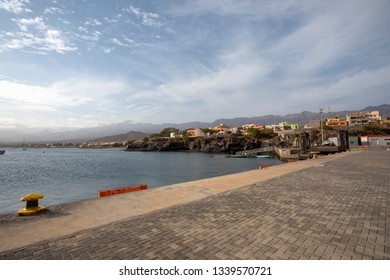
(322, 127)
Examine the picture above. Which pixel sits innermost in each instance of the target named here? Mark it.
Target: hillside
(132, 135)
(300, 118)
(120, 130)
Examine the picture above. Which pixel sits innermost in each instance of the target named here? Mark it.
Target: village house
(314, 124)
(245, 127)
(363, 118)
(283, 126)
(197, 132)
(335, 122)
(221, 129)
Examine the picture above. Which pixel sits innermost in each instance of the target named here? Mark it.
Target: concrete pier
(333, 207)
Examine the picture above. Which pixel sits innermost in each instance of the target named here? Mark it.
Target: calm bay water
(66, 175)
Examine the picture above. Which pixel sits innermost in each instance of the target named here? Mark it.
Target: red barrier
(265, 166)
(122, 190)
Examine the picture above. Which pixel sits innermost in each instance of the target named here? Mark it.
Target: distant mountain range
(129, 130)
(131, 135)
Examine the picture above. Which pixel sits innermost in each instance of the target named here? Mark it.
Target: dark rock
(212, 144)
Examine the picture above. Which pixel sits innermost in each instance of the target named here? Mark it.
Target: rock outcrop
(212, 144)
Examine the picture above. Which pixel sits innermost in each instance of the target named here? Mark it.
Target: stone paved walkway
(336, 210)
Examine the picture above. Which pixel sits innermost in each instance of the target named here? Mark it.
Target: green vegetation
(208, 131)
(166, 132)
(374, 129)
(261, 134)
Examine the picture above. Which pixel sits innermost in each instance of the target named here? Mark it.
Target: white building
(363, 118)
(379, 141)
(283, 126)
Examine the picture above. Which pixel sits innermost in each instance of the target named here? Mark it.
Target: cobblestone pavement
(337, 210)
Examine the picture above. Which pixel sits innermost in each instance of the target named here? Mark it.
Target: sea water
(66, 174)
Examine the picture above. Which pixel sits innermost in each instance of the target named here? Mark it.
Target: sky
(93, 62)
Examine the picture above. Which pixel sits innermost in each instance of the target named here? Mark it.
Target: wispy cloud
(53, 10)
(251, 10)
(23, 97)
(127, 42)
(332, 37)
(93, 36)
(93, 22)
(35, 34)
(94, 96)
(193, 60)
(147, 18)
(15, 6)
(365, 85)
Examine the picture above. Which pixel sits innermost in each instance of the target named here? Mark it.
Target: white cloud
(151, 19)
(53, 42)
(205, 93)
(106, 19)
(251, 10)
(15, 6)
(53, 10)
(135, 11)
(349, 92)
(147, 19)
(24, 97)
(60, 103)
(127, 42)
(90, 88)
(338, 32)
(117, 42)
(64, 21)
(34, 23)
(107, 50)
(211, 59)
(93, 22)
(82, 29)
(34, 33)
(94, 36)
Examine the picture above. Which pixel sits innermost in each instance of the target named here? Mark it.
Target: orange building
(197, 132)
(221, 129)
(336, 122)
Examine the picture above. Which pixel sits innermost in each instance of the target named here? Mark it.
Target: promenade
(334, 207)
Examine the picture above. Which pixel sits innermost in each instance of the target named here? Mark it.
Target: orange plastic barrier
(122, 190)
(265, 166)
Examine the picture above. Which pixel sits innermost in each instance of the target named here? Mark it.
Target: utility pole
(322, 126)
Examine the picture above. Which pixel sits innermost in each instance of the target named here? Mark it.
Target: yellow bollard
(32, 206)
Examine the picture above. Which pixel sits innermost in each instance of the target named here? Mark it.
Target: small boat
(2, 152)
(241, 156)
(264, 156)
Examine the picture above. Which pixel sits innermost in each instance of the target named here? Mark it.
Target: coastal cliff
(212, 144)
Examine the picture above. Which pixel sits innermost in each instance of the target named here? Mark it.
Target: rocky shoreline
(211, 144)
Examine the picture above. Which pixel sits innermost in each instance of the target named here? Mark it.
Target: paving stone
(337, 211)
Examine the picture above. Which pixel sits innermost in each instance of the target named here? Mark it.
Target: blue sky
(92, 62)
